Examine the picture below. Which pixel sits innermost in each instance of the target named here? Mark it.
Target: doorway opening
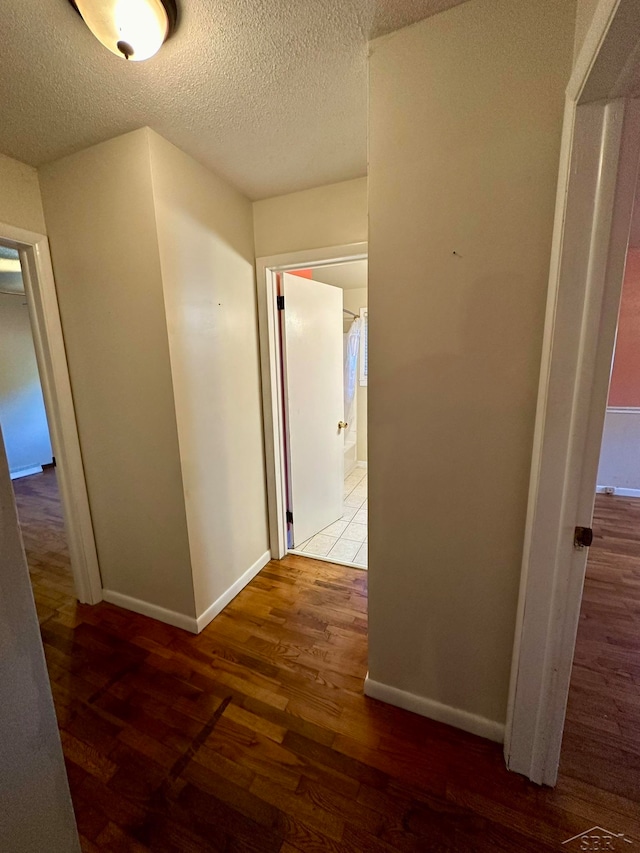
(323, 342)
(314, 350)
(599, 160)
(38, 420)
(601, 740)
(27, 442)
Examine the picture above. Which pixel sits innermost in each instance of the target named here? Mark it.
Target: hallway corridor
(255, 735)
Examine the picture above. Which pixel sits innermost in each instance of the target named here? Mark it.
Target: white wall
(620, 453)
(354, 300)
(101, 224)
(351, 275)
(332, 215)
(584, 15)
(465, 114)
(22, 413)
(205, 234)
(20, 202)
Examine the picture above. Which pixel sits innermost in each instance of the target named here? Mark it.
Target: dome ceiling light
(132, 29)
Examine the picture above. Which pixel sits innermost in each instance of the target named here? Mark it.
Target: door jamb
(550, 594)
(270, 369)
(40, 289)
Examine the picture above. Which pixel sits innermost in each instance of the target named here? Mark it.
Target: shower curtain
(351, 349)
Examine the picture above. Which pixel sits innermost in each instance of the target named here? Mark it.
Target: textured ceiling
(270, 94)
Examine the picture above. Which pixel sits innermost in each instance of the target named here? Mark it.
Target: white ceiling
(350, 275)
(270, 94)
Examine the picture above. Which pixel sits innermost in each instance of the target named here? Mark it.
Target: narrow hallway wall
(101, 224)
(466, 113)
(205, 238)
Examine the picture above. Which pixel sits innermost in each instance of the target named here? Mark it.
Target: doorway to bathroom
(314, 348)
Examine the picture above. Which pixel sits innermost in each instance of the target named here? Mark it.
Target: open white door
(596, 194)
(314, 401)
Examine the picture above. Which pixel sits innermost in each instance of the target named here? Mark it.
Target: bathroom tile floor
(346, 540)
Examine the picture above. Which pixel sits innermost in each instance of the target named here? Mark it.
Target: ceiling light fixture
(132, 29)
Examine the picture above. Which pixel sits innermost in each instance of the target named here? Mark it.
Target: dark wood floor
(602, 735)
(255, 735)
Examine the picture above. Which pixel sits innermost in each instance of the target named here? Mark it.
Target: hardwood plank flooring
(601, 743)
(255, 735)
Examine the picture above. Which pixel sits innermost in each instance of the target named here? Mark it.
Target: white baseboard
(349, 467)
(361, 464)
(25, 472)
(435, 710)
(327, 559)
(220, 603)
(181, 620)
(170, 617)
(620, 492)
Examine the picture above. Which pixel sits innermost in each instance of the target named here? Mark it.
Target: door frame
(588, 254)
(271, 372)
(44, 315)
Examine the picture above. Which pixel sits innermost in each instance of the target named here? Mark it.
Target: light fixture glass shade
(133, 29)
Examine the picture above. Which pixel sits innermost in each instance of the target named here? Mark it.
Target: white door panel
(313, 356)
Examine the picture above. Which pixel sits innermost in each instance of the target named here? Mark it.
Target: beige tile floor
(345, 540)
